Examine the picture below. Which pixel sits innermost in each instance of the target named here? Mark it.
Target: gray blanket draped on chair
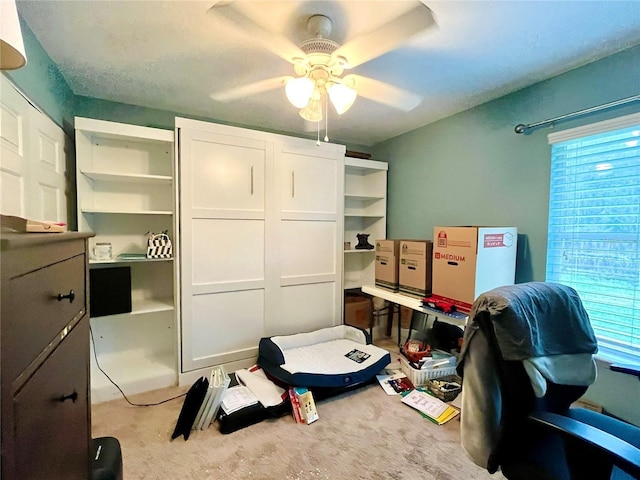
(534, 319)
(538, 323)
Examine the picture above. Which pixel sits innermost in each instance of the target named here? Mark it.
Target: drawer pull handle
(71, 296)
(72, 396)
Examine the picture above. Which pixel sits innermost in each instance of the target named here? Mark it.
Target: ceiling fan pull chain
(326, 117)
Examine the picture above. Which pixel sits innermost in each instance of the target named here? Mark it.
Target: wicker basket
(445, 395)
(421, 377)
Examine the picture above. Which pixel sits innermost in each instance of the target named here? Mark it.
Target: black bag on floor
(106, 460)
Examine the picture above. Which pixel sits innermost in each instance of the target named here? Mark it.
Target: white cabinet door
(32, 171)
(222, 210)
(228, 174)
(308, 229)
(308, 183)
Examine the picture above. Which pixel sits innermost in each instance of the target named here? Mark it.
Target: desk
(415, 303)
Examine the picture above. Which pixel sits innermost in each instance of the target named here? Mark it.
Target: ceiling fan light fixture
(313, 111)
(341, 96)
(299, 91)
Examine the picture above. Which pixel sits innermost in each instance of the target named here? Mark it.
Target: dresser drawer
(52, 433)
(39, 315)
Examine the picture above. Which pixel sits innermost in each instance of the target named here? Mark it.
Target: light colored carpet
(363, 434)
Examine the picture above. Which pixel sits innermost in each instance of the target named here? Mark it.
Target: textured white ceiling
(172, 55)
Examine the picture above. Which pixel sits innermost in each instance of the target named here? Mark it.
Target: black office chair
(527, 356)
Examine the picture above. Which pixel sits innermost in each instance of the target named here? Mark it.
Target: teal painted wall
(41, 81)
(472, 169)
(123, 113)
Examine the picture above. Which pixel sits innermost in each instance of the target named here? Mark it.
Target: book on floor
(192, 402)
(295, 406)
(218, 383)
(429, 406)
(302, 405)
(394, 382)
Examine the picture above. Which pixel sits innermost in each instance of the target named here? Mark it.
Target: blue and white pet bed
(334, 357)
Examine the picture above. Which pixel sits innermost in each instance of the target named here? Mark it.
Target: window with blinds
(594, 227)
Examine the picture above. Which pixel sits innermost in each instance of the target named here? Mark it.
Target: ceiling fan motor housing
(318, 61)
(319, 45)
(319, 26)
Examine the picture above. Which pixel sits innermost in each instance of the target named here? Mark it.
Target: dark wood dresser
(44, 356)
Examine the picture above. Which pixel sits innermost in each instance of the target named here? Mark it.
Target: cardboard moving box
(357, 311)
(414, 271)
(387, 252)
(468, 261)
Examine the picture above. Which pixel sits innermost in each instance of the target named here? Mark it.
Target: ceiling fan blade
(249, 89)
(386, 37)
(384, 93)
(274, 42)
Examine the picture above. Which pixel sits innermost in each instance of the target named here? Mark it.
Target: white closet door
(222, 210)
(14, 167)
(32, 170)
(309, 221)
(47, 141)
(228, 174)
(308, 183)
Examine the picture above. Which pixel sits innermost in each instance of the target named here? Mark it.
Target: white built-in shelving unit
(365, 211)
(125, 189)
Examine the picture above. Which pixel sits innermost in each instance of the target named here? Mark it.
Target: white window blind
(594, 227)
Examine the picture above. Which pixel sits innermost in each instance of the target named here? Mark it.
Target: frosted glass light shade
(299, 91)
(12, 53)
(342, 97)
(313, 111)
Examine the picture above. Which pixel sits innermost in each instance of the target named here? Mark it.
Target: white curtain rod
(522, 128)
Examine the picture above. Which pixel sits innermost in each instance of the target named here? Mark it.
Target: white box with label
(468, 261)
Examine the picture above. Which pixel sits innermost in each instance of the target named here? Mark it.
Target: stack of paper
(429, 406)
(236, 398)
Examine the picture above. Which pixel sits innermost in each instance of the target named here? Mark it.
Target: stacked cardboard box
(387, 259)
(415, 267)
(468, 261)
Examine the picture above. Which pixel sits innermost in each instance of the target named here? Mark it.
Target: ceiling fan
(320, 63)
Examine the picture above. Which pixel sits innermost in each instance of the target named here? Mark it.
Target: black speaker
(110, 291)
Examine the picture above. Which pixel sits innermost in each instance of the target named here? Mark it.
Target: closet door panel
(48, 143)
(223, 220)
(15, 165)
(310, 248)
(308, 184)
(227, 250)
(225, 326)
(309, 188)
(230, 173)
(33, 162)
(305, 308)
